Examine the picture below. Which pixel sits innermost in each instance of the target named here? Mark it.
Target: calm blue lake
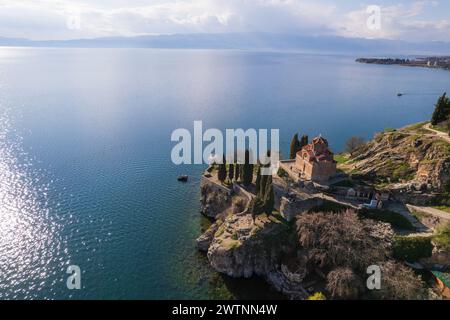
(85, 172)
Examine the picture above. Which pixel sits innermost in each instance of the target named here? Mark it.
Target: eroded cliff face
(215, 200)
(243, 247)
(410, 156)
(236, 243)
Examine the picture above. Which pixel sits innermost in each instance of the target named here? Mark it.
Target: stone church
(315, 161)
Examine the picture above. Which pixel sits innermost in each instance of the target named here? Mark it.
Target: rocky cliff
(242, 247)
(411, 158)
(215, 199)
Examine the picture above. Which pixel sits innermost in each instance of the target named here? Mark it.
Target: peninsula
(316, 228)
(436, 62)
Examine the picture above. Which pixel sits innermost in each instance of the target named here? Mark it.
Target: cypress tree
(247, 170)
(295, 144)
(441, 110)
(231, 172)
(222, 173)
(269, 197)
(256, 207)
(262, 186)
(258, 180)
(304, 141)
(237, 172)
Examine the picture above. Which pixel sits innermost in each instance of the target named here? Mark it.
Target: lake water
(85, 170)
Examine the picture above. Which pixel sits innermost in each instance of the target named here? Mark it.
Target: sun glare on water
(29, 242)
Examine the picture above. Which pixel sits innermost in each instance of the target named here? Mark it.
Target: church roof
(318, 155)
(320, 140)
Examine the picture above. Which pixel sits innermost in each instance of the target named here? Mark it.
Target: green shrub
(329, 206)
(395, 219)
(256, 206)
(344, 183)
(447, 187)
(282, 173)
(442, 236)
(339, 158)
(403, 171)
(412, 248)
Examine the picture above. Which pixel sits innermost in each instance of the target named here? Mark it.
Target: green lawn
(443, 208)
(340, 158)
(442, 236)
(442, 127)
(418, 127)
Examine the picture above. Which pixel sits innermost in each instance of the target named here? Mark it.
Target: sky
(64, 19)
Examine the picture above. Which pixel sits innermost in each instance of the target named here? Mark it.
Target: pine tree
(441, 110)
(295, 144)
(222, 173)
(269, 197)
(258, 180)
(231, 172)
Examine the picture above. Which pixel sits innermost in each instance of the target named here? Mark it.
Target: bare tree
(343, 283)
(353, 144)
(399, 282)
(342, 239)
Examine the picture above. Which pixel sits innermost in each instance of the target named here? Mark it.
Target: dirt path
(404, 211)
(440, 134)
(432, 211)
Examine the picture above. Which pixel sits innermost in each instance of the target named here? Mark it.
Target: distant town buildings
(440, 62)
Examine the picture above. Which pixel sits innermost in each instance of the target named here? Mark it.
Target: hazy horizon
(249, 41)
(424, 20)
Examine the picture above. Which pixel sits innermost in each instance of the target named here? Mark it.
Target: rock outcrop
(204, 241)
(243, 248)
(410, 159)
(215, 199)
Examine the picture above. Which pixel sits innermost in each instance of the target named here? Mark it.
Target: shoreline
(242, 244)
(432, 62)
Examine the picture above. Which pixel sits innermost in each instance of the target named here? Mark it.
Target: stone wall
(317, 171)
(290, 209)
(322, 171)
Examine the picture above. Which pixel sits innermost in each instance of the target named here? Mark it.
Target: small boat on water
(399, 94)
(183, 178)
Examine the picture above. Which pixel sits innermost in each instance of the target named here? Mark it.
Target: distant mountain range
(249, 41)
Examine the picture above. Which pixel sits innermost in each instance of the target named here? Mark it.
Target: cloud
(63, 19)
(397, 22)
